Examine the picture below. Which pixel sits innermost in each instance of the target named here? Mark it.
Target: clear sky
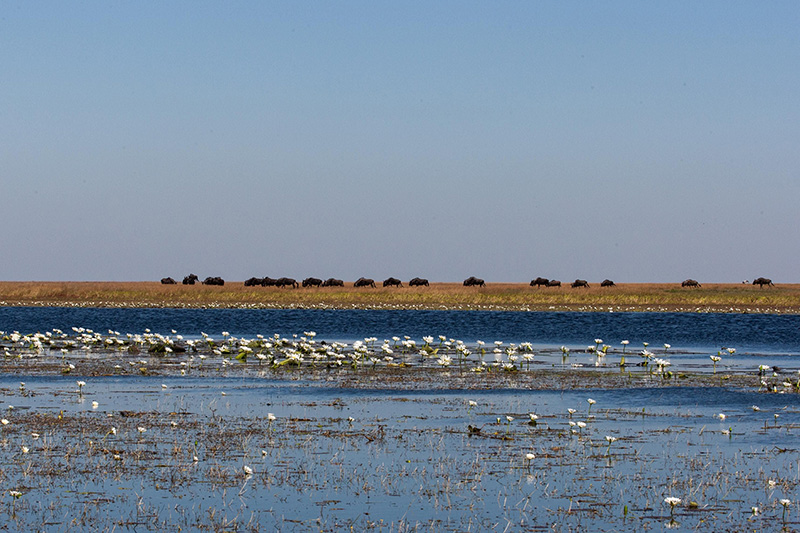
(637, 141)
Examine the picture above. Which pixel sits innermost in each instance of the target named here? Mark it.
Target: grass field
(737, 298)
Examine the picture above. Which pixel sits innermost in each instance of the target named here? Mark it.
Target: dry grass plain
(737, 298)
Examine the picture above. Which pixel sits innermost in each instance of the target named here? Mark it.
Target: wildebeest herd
(471, 281)
(191, 279)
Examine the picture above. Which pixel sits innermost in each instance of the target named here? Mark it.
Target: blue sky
(622, 140)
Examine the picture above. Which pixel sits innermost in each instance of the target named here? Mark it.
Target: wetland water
(185, 439)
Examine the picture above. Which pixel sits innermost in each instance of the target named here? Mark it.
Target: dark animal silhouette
(540, 282)
(213, 280)
(285, 282)
(333, 282)
(168, 281)
(268, 282)
(580, 283)
(608, 283)
(392, 282)
(690, 283)
(763, 281)
(191, 279)
(364, 282)
(472, 281)
(553, 283)
(419, 282)
(254, 282)
(312, 282)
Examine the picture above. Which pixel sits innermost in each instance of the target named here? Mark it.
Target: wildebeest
(690, 283)
(580, 283)
(191, 279)
(472, 281)
(213, 280)
(763, 281)
(268, 281)
(607, 283)
(168, 281)
(553, 283)
(392, 282)
(312, 282)
(418, 282)
(253, 282)
(540, 282)
(285, 282)
(333, 282)
(364, 282)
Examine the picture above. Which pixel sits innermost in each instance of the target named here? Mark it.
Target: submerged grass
(740, 298)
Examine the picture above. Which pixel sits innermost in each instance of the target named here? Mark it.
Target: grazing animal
(608, 283)
(392, 282)
(312, 282)
(553, 283)
(252, 282)
(213, 280)
(333, 282)
(168, 281)
(540, 282)
(191, 279)
(364, 282)
(268, 282)
(419, 282)
(580, 283)
(472, 281)
(285, 282)
(690, 283)
(763, 281)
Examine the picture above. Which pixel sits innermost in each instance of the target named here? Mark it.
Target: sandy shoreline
(647, 297)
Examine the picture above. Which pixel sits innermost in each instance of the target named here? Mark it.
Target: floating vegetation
(149, 352)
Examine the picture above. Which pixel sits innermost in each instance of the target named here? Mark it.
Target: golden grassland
(737, 298)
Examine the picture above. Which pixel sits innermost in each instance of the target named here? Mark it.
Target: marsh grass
(509, 296)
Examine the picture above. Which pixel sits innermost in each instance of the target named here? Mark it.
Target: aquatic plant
(15, 495)
(785, 502)
(564, 354)
(591, 402)
(610, 440)
(672, 501)
(509, 419)
(529, 457)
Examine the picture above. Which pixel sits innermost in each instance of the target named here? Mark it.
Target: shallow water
(368, 448)
(336, 458)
